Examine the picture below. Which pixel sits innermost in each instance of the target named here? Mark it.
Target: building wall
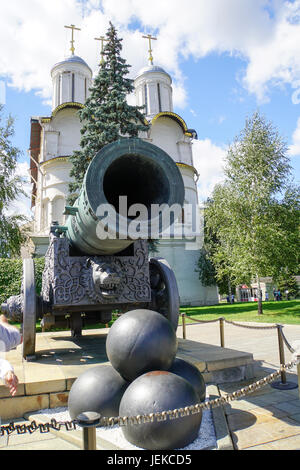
(62, 135)
(183, 255)
(52, 200)
(184, 264)
(168, 135)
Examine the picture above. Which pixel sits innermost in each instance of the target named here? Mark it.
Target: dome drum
(71, 80)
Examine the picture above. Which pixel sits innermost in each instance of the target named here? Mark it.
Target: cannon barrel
(135, 173)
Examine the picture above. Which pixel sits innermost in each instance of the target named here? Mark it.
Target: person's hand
(11, 380)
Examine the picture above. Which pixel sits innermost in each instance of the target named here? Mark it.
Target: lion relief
(106, 278)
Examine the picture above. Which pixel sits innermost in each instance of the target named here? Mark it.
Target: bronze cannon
(96, 263)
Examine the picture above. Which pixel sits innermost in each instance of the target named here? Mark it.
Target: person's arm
(9, 335)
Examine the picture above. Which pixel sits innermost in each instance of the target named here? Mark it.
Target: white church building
(54, 138)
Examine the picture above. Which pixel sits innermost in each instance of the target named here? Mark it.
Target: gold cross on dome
(150, 38)
(72, 27)
(102, 39)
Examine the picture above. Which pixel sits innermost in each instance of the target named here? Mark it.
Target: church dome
(73, 59)
(152, 69)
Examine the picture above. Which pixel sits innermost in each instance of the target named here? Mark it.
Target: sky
(227, 59)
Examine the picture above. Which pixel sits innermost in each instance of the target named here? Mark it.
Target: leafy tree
(209, 275)
(106, 116)
(255, 212)
(287, 284)
(11, 237)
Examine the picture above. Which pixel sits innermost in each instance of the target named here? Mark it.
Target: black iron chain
(34, 426)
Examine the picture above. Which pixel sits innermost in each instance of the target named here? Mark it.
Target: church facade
(54, 138)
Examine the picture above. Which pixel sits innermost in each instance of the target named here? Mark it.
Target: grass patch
(273, 312)
(287, 312)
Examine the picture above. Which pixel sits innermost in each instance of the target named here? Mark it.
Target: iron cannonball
(141, 341)
(154, 392)
(190, 373)
(98, 389)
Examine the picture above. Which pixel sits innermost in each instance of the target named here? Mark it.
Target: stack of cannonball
(144, 377)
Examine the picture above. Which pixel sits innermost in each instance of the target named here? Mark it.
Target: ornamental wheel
(164, 290)
(29, 308)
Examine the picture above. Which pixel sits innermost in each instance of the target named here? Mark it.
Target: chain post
(222, 340)
(183, 326)
(283, 384)
(88, 421)
(298, 372)
(281, 353)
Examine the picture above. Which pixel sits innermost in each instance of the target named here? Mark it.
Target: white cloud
(295, 147)
(208, 161)
(34, 38)
(276, 61)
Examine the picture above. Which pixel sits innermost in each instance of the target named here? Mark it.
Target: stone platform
(60, 359)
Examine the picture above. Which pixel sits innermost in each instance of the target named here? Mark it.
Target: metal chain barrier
(33, 426)
(194, 409)
(271, 327)
(281, 341)
(201, 321)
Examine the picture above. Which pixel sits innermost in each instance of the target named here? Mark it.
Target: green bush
(39, 268)
(11, 272)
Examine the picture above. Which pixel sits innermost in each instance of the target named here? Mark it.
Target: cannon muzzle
(131, 190)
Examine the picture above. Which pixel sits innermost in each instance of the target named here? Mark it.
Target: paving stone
(48, 444)
(289, 443)
(295, 417)
(238, 405)
(244, 419)
(265, 432)
(291, 407)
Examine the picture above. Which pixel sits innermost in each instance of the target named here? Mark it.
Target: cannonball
(154, 392)
(140, 341)
(98, 389)
(190, 373)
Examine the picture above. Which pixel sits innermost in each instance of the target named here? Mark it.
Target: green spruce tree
(106, 116)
